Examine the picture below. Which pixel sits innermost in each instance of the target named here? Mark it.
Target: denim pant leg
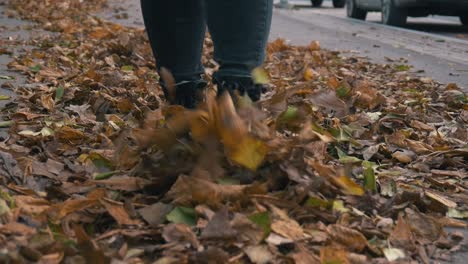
(176, 30)
(240, 30)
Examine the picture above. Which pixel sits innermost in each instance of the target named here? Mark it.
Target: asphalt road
(441, 25)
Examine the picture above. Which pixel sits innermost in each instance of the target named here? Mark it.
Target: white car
(395, 12)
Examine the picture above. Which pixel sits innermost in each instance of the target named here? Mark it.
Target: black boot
(187, 93)
(241, 84)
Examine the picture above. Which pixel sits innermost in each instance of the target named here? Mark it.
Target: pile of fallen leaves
(342, 161)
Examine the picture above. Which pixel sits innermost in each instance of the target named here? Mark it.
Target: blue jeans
(239, 30)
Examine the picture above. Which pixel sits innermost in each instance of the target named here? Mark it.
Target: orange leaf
(310, 74)
(333, 255)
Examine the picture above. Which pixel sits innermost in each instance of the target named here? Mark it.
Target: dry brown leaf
(333, 82)
(259, 254)
(348, 237)
(402, 235)
(100, 33)
(290, 229)
(404, 156)
(123, 183)
(155, 214)
(333, 255)
(328, 100)
(304, 256)
(418, 147)
(59, 211)
(314, 45)
(367, 97)
(248, 231)
(423, 227)
(47, 102)
(15, 228)
(180, 233)
(219, 227)
(421, 126)
(31, 205)
(67, 134)
(117, 211)
(191, 189)
(440, 199)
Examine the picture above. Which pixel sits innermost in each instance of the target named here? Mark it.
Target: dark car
(336, 3)
(395, 12)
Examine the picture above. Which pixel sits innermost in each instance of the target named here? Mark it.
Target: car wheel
(353, 11)
(464, 20)
(339, 3)
(316, 3)
(393, 15)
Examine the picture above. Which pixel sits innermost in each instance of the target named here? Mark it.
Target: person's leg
(240, 30)
(176, 30)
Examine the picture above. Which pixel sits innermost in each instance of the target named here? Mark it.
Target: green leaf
(100, 162)
(262, 220)
(344, 158)
(317, 202)
(5, 97)
(402, 67)
(105, 175)
(369, 176)
(338, 206)
(59, 93)
(4, 124)
(127, 68)
(340, 134)
(342, 91)
(5, 77)
(290, 113)
(182, 215)
(4, 209)
(35, 68)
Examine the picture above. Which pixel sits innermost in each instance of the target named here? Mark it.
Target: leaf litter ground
(342, 161)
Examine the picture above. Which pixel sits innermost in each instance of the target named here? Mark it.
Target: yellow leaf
(249, 153)
(260, 76)
(348, 186)
(310, 74)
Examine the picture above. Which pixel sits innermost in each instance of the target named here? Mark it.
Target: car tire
(393, 15)
(316, 3)
(464, 20)
(353, 11)
(339, 3)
